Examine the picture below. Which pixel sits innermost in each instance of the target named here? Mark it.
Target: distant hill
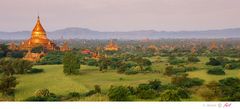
(84, 33)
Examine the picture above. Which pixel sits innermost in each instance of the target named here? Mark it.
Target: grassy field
(57, 82)
(54, 79)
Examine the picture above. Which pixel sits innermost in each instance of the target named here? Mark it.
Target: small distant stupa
(65, 47)
(12, 46)
(111, 46)
(213, 45)
(153, 47)
(34, 57)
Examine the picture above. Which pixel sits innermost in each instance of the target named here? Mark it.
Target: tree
(155, 85)
(170, 95)
(183, 81)
(232, 66)
(147, 94)
(216, 71)
(10, 66)
(114, 62)
(55, 57)
(17, 54)
(7, 85)
(6, 66)
(71, 64)
(229, 89)
(3, 50)
(210, 91)
(193, 59)
(92, 62)
(21, 66)
(183, 93)
(140, 62)
(206, 93)
(213, 62)
(118, 93)
(177, 79)
(175, 61)
(103, 64)
(169, 70)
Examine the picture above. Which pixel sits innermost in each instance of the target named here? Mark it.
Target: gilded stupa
(64, 47)
(213, 46)
(111, 46)
(38, 38)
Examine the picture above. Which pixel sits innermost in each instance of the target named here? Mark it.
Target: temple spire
(38, 30)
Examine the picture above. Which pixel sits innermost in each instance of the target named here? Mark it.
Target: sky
(120, 15)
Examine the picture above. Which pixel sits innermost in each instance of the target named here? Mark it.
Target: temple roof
(38, 30)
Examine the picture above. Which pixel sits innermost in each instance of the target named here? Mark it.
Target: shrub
(74, 94)
(231, 66)
(42, 92)
(177, 79)
(170, 95)
(183, 81)
(180, 69)
(230, 89)
(97, 88)
(123, 67)
(143, 87)
(148, 69)
(170, 70)
(118, 93)
(176, 61)
(35, 70)
(51, 97)
(155, 85)
(17, 54)
(147, 62)
(147, 94)
(216, 71)
(213, 62)
(206, 93)
(193, 59)
(92, 62)
(183, 93)
(190, 82)
(55, 57)
(190, 68)
(130, 72)
(91, 92)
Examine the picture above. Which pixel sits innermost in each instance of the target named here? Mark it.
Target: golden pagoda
(213, 45)
(38, 38)
(96, 56)
(65, 47)
(152, 47)
(193, 50)
(111, 46)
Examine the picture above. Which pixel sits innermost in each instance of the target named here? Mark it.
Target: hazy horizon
(124, 15)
